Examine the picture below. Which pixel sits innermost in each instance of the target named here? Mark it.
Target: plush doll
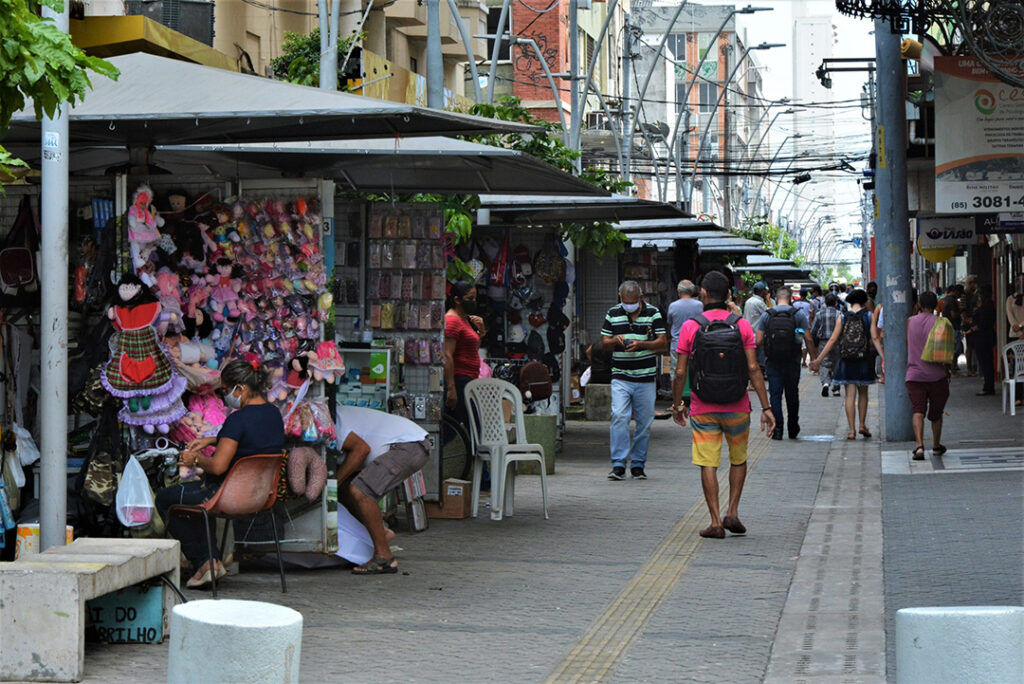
(224, 295)
(328, 364)
(299, 369)
(143, 230)
(169, 291)
(196, 322)
(139, 372)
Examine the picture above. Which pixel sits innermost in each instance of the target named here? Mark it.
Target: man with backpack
(635, 332)
(718, 350)
(782, 331)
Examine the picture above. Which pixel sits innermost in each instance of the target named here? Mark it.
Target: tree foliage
(774, 238)
(597, 237)
(38, 63)
(300, 59)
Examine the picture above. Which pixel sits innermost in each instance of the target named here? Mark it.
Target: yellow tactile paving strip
(594, 657)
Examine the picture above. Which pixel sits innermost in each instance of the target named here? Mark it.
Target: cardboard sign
(130, 616)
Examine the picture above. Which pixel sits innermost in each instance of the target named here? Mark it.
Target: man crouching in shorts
(721, 351)
(380, 450)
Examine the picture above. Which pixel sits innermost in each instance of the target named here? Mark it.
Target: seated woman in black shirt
(256, 427)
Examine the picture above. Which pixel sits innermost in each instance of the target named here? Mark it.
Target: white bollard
(234, 641)
(960, 644)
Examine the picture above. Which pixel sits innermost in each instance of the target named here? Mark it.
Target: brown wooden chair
(250, 487)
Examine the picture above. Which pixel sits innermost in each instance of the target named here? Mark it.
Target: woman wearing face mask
(255, 427)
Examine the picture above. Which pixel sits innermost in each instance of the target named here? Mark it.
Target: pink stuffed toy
(224, 295)
(169, 293)
(143, 231)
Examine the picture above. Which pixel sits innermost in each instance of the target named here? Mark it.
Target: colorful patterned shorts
(708, 429)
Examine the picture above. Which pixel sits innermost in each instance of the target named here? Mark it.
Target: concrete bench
(42, 600)
(597, 401)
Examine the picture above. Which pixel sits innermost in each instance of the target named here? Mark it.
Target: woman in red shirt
(462, 332)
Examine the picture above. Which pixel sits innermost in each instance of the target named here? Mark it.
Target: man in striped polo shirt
(635, 333)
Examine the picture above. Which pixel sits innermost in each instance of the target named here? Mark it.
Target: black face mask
(469, 306)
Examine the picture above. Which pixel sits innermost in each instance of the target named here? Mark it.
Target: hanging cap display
(570, 272)
(561, 292)
(522, 258)
(479, 271)
(516, 334)
(537, 320)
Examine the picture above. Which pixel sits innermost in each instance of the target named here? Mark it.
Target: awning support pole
(53, 324)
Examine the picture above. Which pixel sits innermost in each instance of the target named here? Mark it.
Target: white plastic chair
(489, 432)
(1012, 376)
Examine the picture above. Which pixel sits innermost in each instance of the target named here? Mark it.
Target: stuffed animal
(224, 295)
(169, 291)
(143, 231)
(328, 365)
(299, 369)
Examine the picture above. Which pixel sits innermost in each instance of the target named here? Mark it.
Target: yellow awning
(113, 36)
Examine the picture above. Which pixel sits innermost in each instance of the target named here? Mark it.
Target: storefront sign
(1006, 222)
(938, 238)
(979, 139)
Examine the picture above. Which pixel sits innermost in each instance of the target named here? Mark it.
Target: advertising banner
(979, 140)
(938, 237)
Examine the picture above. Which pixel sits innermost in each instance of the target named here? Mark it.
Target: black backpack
(718, 369)
(780, 336)
(853, 341)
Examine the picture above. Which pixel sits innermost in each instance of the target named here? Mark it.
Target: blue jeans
(785, 377)
(636, 400)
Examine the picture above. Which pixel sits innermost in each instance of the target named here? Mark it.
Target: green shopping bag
(941, 343)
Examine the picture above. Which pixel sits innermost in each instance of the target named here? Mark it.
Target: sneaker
(638, 473)
(824, 390)
(835, 391)
(618, 473)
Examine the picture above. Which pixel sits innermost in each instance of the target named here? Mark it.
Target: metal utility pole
(53, 324)
(891, 230)
(435, 60)
(574, 72)
(627, 112)
(868, 209)
(329, 43)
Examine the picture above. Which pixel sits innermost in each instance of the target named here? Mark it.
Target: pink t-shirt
(918, 329)
(686, 335)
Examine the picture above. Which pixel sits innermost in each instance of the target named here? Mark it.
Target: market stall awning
(671, 229)
(777, 272)
(736, 246)
(162, 101)
(437, 165)
(508, 210)
(762, 260)
(434, 164)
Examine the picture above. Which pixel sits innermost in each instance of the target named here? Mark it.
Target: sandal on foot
(713, 532)
(918, 453)
(734, 525)
(864, 431)
(939, 450)
(851, 436)
(377, 566)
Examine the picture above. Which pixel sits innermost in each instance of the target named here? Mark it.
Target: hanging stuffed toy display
(139, 373)
(143, 232)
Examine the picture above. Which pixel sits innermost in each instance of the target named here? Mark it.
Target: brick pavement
(507, 601)
(953, 537)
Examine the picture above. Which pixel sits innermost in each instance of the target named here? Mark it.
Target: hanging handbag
(17, 258)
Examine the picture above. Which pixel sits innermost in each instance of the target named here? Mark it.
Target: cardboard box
(456, 500)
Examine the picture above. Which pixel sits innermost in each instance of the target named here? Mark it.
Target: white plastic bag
(585, 378)
(134, 497)
(14, 466)
(28, 453)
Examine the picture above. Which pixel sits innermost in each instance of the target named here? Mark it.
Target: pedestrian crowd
(720, 351)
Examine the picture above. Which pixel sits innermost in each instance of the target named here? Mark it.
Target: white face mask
(630, 308)
(231, 401)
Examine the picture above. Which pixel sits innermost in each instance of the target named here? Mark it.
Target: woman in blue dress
(857, 373)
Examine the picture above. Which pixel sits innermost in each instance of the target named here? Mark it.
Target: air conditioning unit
(104, 8)
(194, 18)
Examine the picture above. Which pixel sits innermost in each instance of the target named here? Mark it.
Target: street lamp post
(685, 108)
(718, 103)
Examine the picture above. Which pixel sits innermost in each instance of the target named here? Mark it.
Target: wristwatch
(766, 408)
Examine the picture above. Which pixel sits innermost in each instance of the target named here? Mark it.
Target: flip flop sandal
(939, 450)
(918, 454)
(865, 432)
(377, 566)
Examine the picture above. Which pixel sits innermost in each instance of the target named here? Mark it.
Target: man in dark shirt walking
(635, 333)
